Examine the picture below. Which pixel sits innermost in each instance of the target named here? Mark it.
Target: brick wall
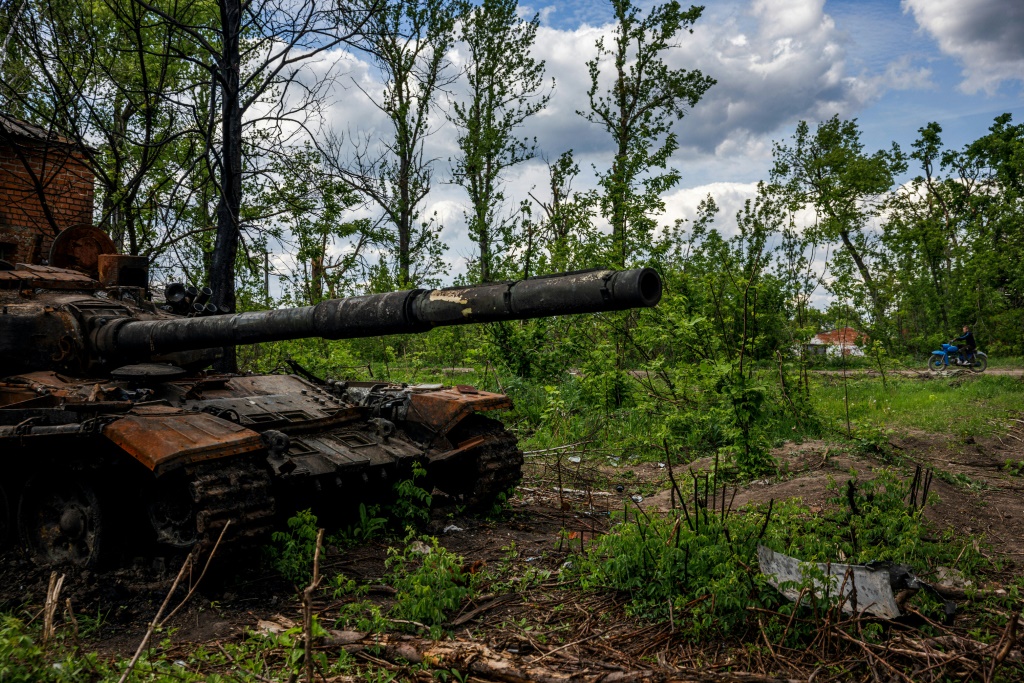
(25, 231)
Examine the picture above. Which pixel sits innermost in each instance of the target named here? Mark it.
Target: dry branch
(481, 661)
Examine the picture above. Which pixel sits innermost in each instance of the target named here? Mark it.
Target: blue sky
(876, 37)
(894, 65)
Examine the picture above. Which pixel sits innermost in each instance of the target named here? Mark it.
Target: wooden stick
(307, 609)
(152, 626)
(50, 606)
(192, 590)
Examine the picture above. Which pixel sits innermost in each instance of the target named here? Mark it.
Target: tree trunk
(225, 250)
(865, 274)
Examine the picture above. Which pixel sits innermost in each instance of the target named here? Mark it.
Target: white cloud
(775, 63)
(987, 36)
(729, 196)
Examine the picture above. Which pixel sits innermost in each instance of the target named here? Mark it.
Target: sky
(894, 65)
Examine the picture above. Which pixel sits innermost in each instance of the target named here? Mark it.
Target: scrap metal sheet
(442, 410)
(864, 589)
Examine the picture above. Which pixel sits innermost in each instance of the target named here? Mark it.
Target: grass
(962, 406)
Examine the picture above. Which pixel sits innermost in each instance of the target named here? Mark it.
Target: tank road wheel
(60, 521)
(172, 515)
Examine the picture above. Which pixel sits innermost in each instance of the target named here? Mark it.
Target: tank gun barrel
(402, 312)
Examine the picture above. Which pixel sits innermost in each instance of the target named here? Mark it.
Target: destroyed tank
(112, 429)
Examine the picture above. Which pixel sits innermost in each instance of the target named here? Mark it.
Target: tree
(645, 99)
(252, 52)
(829, 171)
(953, 237)
(311, 203)
(504, 84)
(564, 238)
(101, 80)
(408, 40)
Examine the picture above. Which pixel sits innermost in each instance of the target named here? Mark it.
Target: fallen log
(483, 662)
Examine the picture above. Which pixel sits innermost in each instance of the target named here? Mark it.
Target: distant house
(845, 341)
(45, 187)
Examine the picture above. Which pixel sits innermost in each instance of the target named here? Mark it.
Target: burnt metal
(148, 372)
(402, 312)
(112, 428)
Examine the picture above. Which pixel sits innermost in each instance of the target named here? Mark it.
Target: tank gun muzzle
(402, 312)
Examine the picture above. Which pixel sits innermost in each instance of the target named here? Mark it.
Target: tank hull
(90, 478)
(112, 436)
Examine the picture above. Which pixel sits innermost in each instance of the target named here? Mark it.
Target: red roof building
(845, 341)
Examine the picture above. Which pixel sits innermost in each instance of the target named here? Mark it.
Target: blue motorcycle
(949, 355)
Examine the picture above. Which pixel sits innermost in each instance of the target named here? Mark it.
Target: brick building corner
(45, 187)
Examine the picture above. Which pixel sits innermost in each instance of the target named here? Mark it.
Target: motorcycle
(949, 354)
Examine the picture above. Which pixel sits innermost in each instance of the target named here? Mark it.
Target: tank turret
(112, 432)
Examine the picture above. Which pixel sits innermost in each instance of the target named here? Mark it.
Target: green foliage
(409, 41)
(505, 86)
(873, 440)
(369, 527)
(293, 550)
(22, 660)
(937, 406)
(704, 565)
(646, 99)
(696, 561)
(829, 171)
(412, 504)
(430, 580)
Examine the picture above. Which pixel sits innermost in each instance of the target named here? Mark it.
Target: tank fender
(164, 442)
(441, 410)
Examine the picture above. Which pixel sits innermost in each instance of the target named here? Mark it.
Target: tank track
(236, 489)
(499, 468)
(492, 468)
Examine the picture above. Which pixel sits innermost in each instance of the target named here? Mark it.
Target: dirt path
(923, 372)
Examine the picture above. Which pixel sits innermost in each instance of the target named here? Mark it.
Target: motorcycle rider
(967, 349)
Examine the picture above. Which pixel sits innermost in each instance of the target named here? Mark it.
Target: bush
(695, 561)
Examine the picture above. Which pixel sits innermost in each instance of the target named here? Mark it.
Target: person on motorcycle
(967, 349)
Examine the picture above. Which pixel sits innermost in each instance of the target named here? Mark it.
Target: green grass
(964, 406)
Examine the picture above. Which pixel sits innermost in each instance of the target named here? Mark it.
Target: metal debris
(863, 589)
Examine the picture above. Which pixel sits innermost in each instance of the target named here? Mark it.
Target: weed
(507, 578)
(502, 505)
(292, 551)
(696, 564)
(412, 505)
(368, 527)
(690, 565)
(429, 585)
(962, 480)
(872, 440)
(362, 615)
